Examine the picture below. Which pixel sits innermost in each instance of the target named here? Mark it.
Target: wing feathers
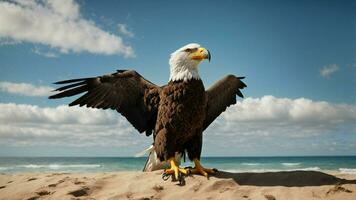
(70, 81)
(221, 95)
(71, 92)
(123, 91)
(70, 86)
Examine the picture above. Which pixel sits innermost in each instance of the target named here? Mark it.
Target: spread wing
(125, 91)
(221, 95)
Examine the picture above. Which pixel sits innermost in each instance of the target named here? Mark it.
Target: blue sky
(293, 53)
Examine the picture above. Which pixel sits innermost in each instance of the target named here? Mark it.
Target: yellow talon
(199, 169)
(175, 169)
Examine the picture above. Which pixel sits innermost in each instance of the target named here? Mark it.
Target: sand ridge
(150, 186)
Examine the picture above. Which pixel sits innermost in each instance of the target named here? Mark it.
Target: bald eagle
(176, 113)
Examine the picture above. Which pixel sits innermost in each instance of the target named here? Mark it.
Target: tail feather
(142, 153)
(154, 163)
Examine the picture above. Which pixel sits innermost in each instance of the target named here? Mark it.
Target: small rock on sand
(80, 192)
(270, 197)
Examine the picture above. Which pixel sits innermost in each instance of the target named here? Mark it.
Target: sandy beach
(149, 185)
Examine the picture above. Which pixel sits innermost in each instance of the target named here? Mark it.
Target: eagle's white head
(184, 62)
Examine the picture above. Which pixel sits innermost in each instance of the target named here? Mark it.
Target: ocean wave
(4, 168)
(291, 164)
(347, 170)
(60, 166)
(251, 164)
(306, 169)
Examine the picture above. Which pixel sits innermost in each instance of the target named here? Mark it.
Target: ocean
(342, 164)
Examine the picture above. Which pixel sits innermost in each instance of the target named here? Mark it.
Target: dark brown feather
(124, 91)
(70, 86)
(70, 92)
(180, 119)
(70, 81)
(221, 95)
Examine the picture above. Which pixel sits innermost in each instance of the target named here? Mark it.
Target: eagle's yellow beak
(201, 54)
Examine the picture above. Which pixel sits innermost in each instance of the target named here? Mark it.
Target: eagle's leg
(199, 169)
(175, 169)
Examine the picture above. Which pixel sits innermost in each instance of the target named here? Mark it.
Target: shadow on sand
(288, 179)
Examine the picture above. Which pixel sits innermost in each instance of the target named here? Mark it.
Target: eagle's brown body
(176, 113)
(180, 119)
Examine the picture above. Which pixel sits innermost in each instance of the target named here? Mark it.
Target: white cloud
(64, 114)
(328, 70)
(25, 89)
(253, 126)
(29, 125)
(122, 28)
(45, 54)
(272, 109)
(58, 24)
(282, 126)
(283, 117)
(8, 41)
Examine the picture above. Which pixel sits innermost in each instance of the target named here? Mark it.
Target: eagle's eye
(191, 50)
